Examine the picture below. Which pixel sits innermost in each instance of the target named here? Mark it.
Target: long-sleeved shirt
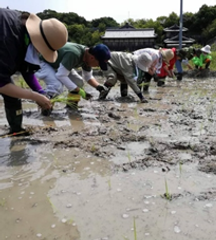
(13, 48)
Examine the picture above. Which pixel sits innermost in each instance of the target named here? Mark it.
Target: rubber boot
(73, 100)
(146, 82)
(161, 82)
(14, 115)
(124, 89)
(179, 76)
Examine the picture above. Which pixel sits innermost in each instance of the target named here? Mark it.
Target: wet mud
(99, 170)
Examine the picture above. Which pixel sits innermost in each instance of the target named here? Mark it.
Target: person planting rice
(22, 37)
(62, 73)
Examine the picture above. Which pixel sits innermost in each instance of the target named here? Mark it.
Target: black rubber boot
(14, 115)
(179, 76)
(147, 81)
(161, 82)
(124, 89)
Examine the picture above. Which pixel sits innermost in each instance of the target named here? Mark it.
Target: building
(172, 37)
(128, 38)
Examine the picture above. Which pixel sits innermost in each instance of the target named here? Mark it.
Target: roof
(129, 33)
(175, 28)
(175, 39)
(127, 25)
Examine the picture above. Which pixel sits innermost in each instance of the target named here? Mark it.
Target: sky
(119, 10)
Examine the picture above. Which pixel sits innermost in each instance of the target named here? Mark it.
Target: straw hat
(143, 61)
(206, 49)
(167, 55)
(47, 36)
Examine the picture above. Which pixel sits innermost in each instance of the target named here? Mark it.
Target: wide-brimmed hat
(102, 53)
(167, 55)
(47, 36)
(206, 49)
(143, 61)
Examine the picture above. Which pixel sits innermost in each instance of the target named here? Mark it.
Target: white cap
(143, 61)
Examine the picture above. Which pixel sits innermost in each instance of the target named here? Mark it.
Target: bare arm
(18, 92)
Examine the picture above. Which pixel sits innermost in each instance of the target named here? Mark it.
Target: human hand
(84, 94)
(43, 101)
(101, 88)
(88, 96)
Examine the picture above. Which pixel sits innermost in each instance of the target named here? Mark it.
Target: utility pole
(181, 25)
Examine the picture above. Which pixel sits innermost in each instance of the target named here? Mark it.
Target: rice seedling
(52, 205)
(109, 184)
(93, 148)
(134, 227)
(2, 202)
(129, 156)
(167, 195)
(70, 101)
(180, 167)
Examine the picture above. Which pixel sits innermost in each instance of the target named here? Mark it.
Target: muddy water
(116, 169)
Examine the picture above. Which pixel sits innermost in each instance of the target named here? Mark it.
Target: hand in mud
(43, 101)
(100, 88)
(88, 96)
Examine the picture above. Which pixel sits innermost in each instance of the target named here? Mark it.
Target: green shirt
(71, 56)
(199, 61)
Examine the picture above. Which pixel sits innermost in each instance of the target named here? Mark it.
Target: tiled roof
(174, 28)
(131, 33)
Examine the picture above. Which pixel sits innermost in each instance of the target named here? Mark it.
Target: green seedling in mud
(180, 167)
(70, 221)
(129, 156)
(134, 226)
(135, 231)
(2, 202)
(109, 184)
(93, 148)
(52, 205)
(167, 195)
(136, 113)
(201, 126)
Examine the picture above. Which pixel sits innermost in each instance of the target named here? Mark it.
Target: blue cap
(102, 53)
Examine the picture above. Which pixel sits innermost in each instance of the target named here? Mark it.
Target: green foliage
(201, 25)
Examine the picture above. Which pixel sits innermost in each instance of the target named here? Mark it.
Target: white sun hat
(206, 49)
(143, 61)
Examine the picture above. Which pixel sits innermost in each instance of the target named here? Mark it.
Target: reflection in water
(15, 152)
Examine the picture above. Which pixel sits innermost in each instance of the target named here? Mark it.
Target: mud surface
(115, 168)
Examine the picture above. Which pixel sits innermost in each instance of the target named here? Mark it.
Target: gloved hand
(84, 94)
(101, 88)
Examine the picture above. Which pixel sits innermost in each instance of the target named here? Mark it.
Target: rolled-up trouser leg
(14, 114)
